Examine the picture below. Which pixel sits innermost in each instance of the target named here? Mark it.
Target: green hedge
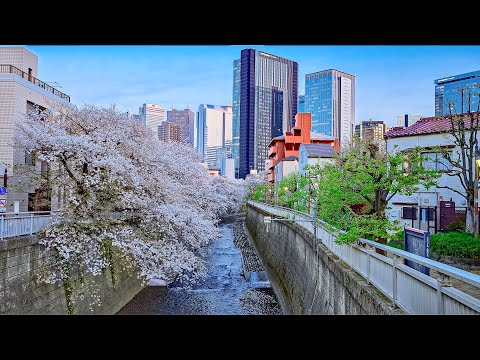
(459, 244)
(453, 243)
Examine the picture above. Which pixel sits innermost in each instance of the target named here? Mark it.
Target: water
(223, 291)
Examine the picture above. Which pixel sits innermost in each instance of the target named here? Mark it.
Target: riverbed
(223, 291)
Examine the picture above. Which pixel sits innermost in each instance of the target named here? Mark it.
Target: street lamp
(475, 192)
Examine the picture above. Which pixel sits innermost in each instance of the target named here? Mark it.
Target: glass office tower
(330, 98)
(268, 87)
(448, 92)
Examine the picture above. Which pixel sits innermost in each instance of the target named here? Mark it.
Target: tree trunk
(380, 206)
(469, 224)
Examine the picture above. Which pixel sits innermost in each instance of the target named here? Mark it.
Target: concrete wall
(21, 293)
(306, 282)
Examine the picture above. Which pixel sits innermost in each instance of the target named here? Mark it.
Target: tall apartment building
(152, 115)
(185, 119)
(168, 131)
(265, 94)
(448, 95)
(20, 91)
(371, 130)
(330, 98)
(214, 131)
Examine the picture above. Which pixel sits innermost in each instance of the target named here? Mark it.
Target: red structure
(289, 143)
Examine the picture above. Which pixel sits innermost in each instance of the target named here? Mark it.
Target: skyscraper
(214, 131)
(265, 99)
(236, 115)
(301, 103)
(152, 115)
(169, 131)
(330, 98)
(185, 119)
(447, 90)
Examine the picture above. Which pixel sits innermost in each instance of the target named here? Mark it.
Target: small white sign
(3, 203)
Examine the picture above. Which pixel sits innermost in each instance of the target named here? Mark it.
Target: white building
(152, 115)
(21, 90)
(214, 131)
(425, 133)
(314, 154)
(228, 168)
(285, 167)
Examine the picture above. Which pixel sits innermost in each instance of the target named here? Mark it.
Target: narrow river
(223, 291)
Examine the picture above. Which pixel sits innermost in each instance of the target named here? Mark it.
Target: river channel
(223, 291)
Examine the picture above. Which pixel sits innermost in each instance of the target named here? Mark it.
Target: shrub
(455, 243)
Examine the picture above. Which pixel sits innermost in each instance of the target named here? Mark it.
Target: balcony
(271, 177)
(272, 151)
(14, 70)
(294, 139)
(271, 164)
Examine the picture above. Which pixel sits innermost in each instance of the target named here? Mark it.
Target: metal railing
(409, 289)
(14, 70)
(23, 223)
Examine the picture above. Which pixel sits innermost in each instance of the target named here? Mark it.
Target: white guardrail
(409, 289)
(23, 223)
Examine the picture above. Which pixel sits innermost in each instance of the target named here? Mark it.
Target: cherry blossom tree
(123, 191)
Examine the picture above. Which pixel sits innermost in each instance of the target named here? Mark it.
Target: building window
(409, 212)
(30, 158)
(434, 161)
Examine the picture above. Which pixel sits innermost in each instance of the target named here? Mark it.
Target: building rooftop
(429, 125)
(452, 78)
(319, 136)
(289, 158)
(5, 68)
(319, 150)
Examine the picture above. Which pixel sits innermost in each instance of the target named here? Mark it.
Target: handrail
(6, 68)
(449, 270)
(23, 223)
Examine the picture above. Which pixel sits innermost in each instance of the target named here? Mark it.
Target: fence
(410, 290)
(14, 70)
(23, 223)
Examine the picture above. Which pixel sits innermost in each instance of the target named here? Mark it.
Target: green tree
(292, 192)
(353, 193)
(461, 130)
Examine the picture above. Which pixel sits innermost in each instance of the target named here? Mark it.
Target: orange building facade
(289, 143)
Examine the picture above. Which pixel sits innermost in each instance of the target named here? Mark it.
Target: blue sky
(390, 80)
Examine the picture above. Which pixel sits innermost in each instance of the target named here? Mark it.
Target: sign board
(3, 203)
(417, 242)
(3, 191)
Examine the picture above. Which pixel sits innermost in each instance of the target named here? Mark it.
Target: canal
(223, 291)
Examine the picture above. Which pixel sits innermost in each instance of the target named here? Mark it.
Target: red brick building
(289, 143)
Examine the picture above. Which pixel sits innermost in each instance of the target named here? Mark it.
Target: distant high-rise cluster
(371, 130)
(152, 115)
(408, 119)
(185, 119)
(169, 131)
